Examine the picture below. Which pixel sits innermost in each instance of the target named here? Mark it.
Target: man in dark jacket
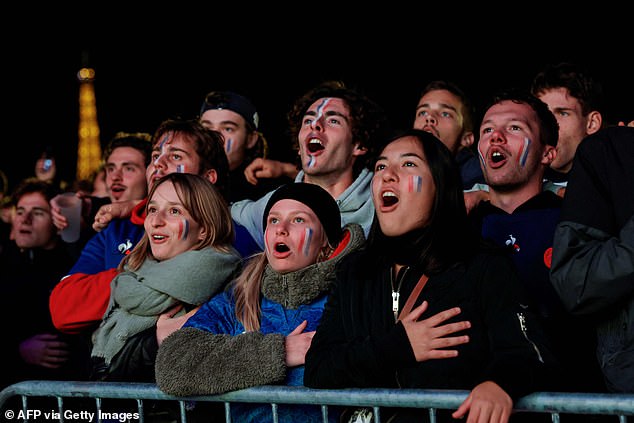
(593, 252)
(517, 144)
(32, 264)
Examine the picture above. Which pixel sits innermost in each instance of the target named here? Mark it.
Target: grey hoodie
(355, 204)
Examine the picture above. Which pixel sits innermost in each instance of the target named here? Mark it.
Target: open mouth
(389, 198)
(315, 145)
(497, 157)
(280, 247)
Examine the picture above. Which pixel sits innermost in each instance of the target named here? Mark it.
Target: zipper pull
(524, 329)
(395, 297)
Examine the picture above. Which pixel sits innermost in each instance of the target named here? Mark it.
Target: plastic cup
(70, 206)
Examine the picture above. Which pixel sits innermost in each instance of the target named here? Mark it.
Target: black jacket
(593, 251)
(358, 344)
(27, 279)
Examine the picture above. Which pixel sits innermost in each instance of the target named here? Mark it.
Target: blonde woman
(258, 332)
(184, 257)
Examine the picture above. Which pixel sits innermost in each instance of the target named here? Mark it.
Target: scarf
(138, 298)
(302, 286)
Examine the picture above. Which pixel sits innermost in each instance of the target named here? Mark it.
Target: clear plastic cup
(70, 206)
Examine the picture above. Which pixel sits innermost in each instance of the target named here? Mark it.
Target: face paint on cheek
(183, 229)
(524, 152)
(481, 156)
(228, 145)
(180, 168)
(304, 242)
(415, 183)
(311, 161)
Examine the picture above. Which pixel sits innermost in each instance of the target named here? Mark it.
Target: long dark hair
(448, 238)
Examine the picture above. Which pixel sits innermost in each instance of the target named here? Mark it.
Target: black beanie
(317, 199)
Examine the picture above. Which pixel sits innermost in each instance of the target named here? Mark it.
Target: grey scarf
(138, 298)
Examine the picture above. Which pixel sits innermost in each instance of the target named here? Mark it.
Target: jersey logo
(125, 247)
(512, 242)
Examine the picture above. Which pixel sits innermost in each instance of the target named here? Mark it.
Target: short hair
(209, 146)
(548, 126)
(468, 110)
(207, 207)
(31, 185)
(367, 120)
(576, 79)
(140, 141)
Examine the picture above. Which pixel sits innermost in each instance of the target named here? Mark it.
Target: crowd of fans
(491, 251)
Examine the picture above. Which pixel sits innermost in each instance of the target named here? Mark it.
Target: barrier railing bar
(554, 403)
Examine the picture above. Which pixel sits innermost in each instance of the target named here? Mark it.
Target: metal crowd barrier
(557, 404)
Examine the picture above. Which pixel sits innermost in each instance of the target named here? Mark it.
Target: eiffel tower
(89, 147)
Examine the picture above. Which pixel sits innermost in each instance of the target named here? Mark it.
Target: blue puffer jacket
(213, 353)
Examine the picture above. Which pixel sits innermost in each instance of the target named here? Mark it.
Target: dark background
(149, 69)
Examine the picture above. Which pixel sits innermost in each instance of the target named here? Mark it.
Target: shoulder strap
(413, 296)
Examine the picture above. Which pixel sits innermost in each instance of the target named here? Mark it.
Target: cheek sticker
(524, 152)
(415, 183)
(228, 145)
(304, 242)
(183, 229)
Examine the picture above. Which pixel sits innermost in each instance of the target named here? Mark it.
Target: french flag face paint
(161, 148)
(524, 152)
(305, 240)
(415, 183)
(180, 168)
(484, 163)
(320, 112)
(183, 229)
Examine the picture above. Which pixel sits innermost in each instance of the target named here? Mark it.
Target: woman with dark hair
(426, 304)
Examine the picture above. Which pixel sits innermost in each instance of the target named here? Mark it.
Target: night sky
(148, 72)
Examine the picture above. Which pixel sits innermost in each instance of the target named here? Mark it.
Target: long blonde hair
(206, 206)
(247, 292)
(247, 288)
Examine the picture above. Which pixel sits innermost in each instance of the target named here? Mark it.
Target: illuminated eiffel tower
(89, 147)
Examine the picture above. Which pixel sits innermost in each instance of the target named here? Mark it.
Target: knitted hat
(217, 100)
(317, 199)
